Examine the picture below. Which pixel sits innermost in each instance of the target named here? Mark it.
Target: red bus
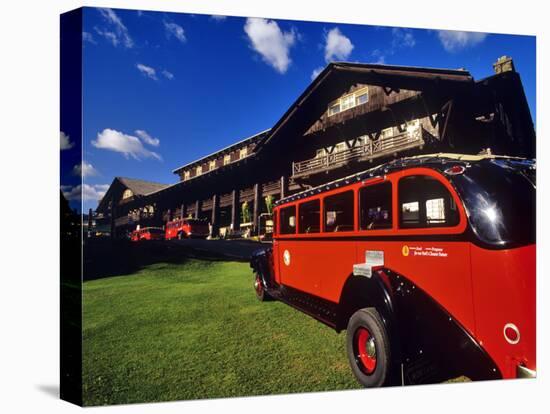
(187, 227)
(427, 262)
(147, 233)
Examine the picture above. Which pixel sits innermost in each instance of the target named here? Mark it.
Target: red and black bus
(187, 227)
(147, 233)
(427, 262)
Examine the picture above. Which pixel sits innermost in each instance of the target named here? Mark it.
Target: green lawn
(173, 331)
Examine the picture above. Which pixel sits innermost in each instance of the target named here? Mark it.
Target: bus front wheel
(368, 348)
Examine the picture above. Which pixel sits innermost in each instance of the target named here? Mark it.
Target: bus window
(375, 206)
(310, 217)
(288, 220)
(425, 202)
(339, 212)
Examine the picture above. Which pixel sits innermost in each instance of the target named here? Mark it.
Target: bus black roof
(439, 161)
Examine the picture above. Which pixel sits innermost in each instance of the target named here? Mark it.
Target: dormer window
(243, 153)
(349, 101)
(226, 159)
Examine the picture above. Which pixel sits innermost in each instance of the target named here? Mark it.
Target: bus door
(297, 256)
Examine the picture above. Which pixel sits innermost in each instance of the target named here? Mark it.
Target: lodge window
(127, 194)
(243, 153)
(320, 153)
(338, 212)
(186, 175)
(310, 217)
(362, 98)
(425, 202)
(333, 109)
(288, 220)
(375, 207)
(199, 170)
(386, 133)
(349, 101)
(226, 159)
(212, 165)
(341, 146)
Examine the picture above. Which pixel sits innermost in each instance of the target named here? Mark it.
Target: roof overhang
(335, 80)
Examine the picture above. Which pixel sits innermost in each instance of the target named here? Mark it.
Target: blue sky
(163, 89)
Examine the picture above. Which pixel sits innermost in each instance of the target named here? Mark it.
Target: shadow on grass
(107, 258)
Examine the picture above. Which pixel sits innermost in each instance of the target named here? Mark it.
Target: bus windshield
(499, 196)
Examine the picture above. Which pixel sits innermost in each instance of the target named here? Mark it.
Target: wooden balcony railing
(367, 151)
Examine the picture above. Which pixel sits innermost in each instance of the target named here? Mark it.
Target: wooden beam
(257, 200)
(215, 219)
(235, 211)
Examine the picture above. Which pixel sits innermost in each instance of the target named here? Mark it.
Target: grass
(190, 330)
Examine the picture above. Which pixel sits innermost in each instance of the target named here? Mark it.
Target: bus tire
(259, 288)
(181, 235)
(368, 348)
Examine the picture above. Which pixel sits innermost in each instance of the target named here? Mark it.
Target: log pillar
(215, 223)
(257, 210)
(197, 209)
(284, 187)
(235, 211)
(183, 211)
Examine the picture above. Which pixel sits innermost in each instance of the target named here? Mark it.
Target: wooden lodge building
(351, 116)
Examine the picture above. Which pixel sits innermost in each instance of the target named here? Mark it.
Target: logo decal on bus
(405, 250)
(286, 257)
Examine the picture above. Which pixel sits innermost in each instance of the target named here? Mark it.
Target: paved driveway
(235, 249)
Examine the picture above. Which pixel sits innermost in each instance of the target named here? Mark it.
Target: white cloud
(173, 29)
(147, 71)
(218, 17)
(146, 138)
(110, 36)
(316, 72)
(402, 38)
(128, 145)
(65, 141)
(270, 42)
(86, 192)
(337, 45)
(87, 37)
(168, 75)
(379, 56)
(453, 40)
(118, 33)
(85, 170)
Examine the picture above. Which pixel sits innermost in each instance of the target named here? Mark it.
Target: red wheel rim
(258, 285)
(365, 353)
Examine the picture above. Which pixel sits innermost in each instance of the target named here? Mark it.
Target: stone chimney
(504, 64)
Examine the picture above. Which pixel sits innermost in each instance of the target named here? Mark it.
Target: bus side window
(275, 222)
(425, 202)
(339, 212)
(375, 206)
(310, 217)
(288, 220)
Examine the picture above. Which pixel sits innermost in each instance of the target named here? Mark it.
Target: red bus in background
(147, 233)
(427, 262)
(187, 227)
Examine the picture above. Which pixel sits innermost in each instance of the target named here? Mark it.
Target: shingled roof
(141, 187)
